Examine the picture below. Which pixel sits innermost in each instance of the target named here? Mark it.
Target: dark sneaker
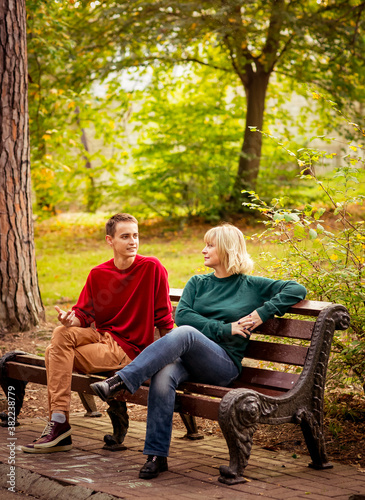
(106, 389)
(153, 467)
(64, 445)
(53, 433)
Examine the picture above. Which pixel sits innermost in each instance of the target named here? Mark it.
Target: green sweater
(211, 304)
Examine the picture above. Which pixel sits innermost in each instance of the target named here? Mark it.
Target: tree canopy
(250, 45)
(66, 111)
(317, 42)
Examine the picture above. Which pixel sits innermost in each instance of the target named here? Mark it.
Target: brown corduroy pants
(84, 350)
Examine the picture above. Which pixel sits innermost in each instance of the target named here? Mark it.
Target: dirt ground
(344, 432)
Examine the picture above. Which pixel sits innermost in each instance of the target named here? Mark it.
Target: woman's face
(210, 253)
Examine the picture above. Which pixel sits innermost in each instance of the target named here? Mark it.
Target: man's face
(125, 241)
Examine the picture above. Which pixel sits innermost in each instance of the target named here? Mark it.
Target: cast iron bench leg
(239, 413)
(118, 414)
(191, 427)
(313, 434)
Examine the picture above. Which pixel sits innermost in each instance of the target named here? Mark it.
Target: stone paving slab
(88, 471)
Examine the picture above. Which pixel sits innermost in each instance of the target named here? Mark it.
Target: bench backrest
(271, 364)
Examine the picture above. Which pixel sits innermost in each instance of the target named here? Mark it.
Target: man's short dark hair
(111, 225)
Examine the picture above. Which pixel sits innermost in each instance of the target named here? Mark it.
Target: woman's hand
(67, 318)
(245, 325)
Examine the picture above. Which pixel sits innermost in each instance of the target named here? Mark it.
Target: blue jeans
(183, 354)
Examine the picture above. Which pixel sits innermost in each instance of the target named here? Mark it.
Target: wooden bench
(282, 380)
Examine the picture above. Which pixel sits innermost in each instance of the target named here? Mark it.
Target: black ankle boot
(106, 389)
(153, 467)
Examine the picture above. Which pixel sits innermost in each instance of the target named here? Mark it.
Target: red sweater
(127, 303)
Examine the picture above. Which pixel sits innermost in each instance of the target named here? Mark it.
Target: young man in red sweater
(124, 299)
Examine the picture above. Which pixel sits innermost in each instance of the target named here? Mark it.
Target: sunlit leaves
(325, 252)
(72, 122)
(188, 142)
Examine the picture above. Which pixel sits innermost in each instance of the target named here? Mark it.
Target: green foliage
(296, 111)
(308, 41)
(81, 154)
(77, 131)
(75, 127)
(74, 47)
(188, 143)
(326, 248)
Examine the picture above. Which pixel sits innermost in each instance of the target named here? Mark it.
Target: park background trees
(310, 42)
(262, 51)
(65, 59)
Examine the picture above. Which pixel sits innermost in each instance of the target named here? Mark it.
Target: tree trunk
(249, 162)
(20, 302)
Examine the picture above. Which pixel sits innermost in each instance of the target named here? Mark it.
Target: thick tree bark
(20, 302)
(249, 163)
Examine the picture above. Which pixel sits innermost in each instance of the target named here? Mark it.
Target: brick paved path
(193, 469)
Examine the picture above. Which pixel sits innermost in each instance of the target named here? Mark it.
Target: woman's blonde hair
(231, 248)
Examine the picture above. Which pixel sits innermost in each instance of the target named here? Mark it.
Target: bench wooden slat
(277, 353)
(81, 383)
(309, 307)
(204, 389)
(175, 294)
(304, 307)
(30, 359)
(28, 373)
(218, 392)
(37, 374)
(253, 378)
(284, 327)
(259, 377)
(204, 407)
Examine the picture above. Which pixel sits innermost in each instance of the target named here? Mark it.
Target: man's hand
(67, 318)
(245, 325)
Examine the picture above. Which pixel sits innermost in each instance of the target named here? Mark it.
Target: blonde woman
(215, 317)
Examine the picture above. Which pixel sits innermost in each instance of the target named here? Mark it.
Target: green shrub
(326, 250)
